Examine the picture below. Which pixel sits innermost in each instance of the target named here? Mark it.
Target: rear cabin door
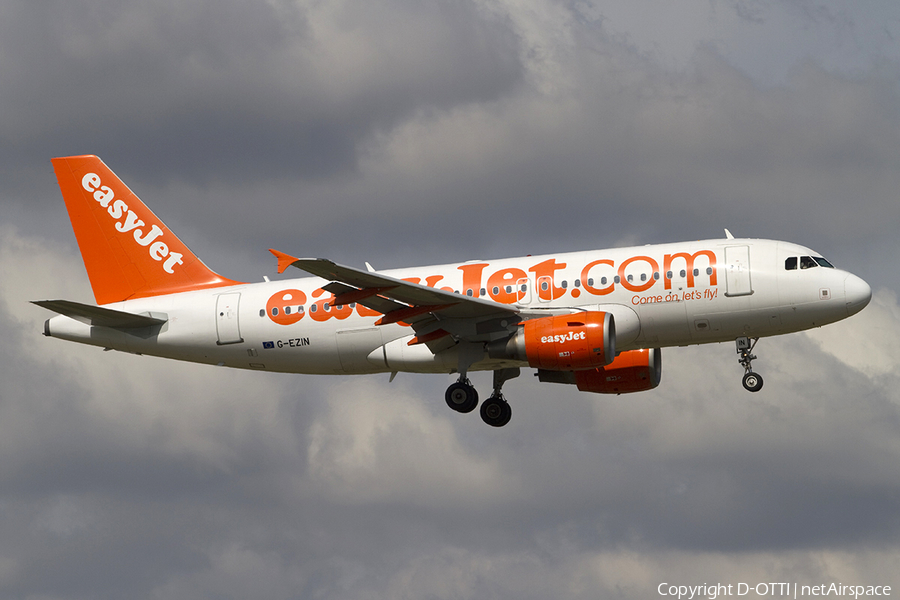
(227, 327)
(737, 271)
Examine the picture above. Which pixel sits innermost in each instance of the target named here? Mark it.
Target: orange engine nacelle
(562, 343)
(631, 371)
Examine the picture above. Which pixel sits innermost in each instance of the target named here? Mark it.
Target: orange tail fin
(128, 252)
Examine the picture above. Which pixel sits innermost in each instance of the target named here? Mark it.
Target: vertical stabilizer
(127, 251)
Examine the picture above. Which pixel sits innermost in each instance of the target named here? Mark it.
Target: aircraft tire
(496, 412)
(461, 397)
(753, 382)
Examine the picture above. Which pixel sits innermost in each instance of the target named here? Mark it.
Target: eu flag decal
(268, 345)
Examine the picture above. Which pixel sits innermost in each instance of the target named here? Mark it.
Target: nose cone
(857, 294)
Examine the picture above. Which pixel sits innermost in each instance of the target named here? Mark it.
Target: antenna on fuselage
(728, 235)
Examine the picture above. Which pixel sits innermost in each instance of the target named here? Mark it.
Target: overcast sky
(405, 132)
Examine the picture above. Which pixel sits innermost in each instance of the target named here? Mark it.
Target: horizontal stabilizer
(102, 317)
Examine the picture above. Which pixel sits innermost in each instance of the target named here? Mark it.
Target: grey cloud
(197, 89)
(378, 488)
(409, 133)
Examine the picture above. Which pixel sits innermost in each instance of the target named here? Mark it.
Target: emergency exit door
(227, 326)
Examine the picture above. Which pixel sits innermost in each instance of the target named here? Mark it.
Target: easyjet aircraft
(596, 320)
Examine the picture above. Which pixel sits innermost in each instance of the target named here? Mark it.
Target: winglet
(284, 260)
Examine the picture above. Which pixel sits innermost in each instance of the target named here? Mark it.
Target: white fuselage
(660, 295)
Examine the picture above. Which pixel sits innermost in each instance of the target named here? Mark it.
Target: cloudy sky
(405, 132)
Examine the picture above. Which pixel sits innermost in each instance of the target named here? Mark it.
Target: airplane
(596, 320)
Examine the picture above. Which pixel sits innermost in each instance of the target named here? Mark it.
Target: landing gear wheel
(753, 382)
(495, 411)
(461, 397)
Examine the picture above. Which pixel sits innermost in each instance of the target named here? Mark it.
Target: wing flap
(375, 302)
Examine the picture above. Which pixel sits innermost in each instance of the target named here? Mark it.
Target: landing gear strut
(495, 411)
(753, 382)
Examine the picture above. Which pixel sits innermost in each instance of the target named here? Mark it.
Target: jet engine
(631, 371)
(585, 340)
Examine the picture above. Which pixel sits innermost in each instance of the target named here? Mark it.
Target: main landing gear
(753, 382)
(461, 396)
(495, 411)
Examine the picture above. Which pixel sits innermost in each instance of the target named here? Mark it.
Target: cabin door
(227, 327)
(737, 271)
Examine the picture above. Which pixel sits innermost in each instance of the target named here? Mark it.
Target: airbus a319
(596, 320)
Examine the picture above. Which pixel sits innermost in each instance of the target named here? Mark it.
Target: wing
(435, 315)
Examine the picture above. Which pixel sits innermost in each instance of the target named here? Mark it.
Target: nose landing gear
(753, 382)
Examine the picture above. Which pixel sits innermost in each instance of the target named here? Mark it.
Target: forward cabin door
(737, 271)
(227, 327)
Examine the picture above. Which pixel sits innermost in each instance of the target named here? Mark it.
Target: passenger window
(807, 262)
(790, 264)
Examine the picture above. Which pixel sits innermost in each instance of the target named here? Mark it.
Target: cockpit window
(807, 262)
